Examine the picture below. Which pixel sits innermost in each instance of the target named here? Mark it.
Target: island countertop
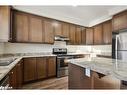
(106, 66)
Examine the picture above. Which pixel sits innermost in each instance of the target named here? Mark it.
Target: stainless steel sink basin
(6, 62)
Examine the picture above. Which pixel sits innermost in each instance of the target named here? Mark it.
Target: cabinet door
(4, 23)
(20, 27)
(29, 69)
(78, 79)
(49, 31)
(89, 36)
(41, 68)
(83, 36)
(35, 34)
(72, 34)
(65, 29)
(98, 36)
(12, 78)
(107, 32)
(19, 74)
(101, 81)
(78, 35)
(57, 28)
(51, 65)
(119, 21)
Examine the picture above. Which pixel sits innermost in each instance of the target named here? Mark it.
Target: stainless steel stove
(62, 66)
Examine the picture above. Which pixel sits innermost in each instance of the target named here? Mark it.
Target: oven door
(61, 61)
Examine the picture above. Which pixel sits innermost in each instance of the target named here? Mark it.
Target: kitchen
(41, 45)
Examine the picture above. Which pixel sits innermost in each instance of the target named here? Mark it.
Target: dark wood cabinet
(41, 68)
(49, 31)
(78, 79)
(119, 21)
(29, 69)
(57, 28)
(72, 34)
(36, 32)
(12, 78)
(19, 75)
(31, 28)
(4, 23)
(20, 31)
(51, 66)
(98, 34)
(83, 36)
(78, 35)
(65, 29)
(89, 36)
(101, 81)
(107, 32)
(15, 76)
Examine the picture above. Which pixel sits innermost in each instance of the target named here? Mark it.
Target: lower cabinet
(79, 80)
(51, 66)
(29, 69)
(101, 81)
(15, 76)
(39, 68)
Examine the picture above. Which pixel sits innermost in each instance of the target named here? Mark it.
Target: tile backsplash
(98, 49)
(37, 48)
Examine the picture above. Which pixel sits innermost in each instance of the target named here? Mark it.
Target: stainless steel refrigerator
(119, 46)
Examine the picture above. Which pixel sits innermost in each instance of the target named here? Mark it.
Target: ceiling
(82, 15)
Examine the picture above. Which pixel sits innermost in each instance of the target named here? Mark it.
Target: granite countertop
(5, 69)
(18, 56)
(106, 66)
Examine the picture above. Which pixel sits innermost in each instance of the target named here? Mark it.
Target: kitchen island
(97, 73)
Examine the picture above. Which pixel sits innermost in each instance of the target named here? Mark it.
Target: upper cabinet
(49, 31)
(20, 27)
(4, 23)
(83, 36)
(107, 32)
(61, 28)
(35, 27)
(65, 29)
(119, 21)
(31, 28)
(57, 28)
(78, 35)
(98, 37)
(72, 34)
(89, 36)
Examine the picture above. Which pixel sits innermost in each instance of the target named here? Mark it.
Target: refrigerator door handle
(116, 46)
